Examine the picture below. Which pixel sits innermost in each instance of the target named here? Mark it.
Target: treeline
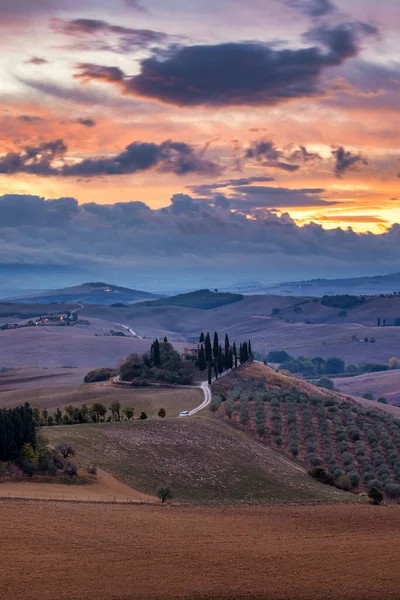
(342, 301)
(17, 428)
(96, 413)
(217, 358)
(162, 364)
(317, 366)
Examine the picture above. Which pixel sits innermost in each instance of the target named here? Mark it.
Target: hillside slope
(201, 299)
(87, 293)
(203, 460)
(358, 447)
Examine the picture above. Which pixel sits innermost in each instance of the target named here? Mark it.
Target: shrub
(100, 375)
(92, 470)
(70, 469)
(375, 495)
(393, 490)
(28, 467)
(320, 474)
(354, 479)
(368, 396)
(66, 450)
(278, 440)
(143, 416)
(162, 413)
(294, 450)
(325, 383)
(343, 483)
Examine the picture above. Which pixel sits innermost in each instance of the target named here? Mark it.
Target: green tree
(202, 359)
(45, 414)
(221, 361)
(334, 366)
(165, 493)
(250, 352)
(375, 495)
(156, 353)
(58, 416)
(209, 374)
(227, 352)
(143, 416)
(162, 413)
(215, 346)
(207, 348)
(128, 412)
(115, 409)
(99, 410)
(201, 339)
(235, 355)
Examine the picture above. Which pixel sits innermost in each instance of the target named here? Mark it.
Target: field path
(104, 488)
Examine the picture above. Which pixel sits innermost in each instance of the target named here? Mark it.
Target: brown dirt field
(22, 379)
(74, 551)
(103, 488)
(149, 400)
(386, 383)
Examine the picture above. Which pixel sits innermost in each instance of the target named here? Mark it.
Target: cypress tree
(165, 341)
(156, 354)
(216, 345)
(241, 356)
(209, 373)
(227, 352)
(245, 352)
(221, 361)
(216, 367)
(201, 339)
(250, 351)
(202, 359)
(230, 359)
(207, 348)
(235, 354)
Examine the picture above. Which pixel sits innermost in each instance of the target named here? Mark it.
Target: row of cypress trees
(17, 428)
(213, 356)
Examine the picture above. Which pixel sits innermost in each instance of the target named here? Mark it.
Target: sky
(159, 134)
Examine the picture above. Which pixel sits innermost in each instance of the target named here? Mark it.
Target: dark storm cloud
(186, 233)
(344, 160)
(172, 157)
(87, 122)
(242, 73)
(256, 197)
(303, 155)
(313, 8)
(95, 34)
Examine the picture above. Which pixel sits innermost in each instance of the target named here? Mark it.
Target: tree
(382, 400)
(162, 413)
(230, 359)
(99, 410)
(278, 356)
(202, 364)
(156, 353)
(58, 416)
(45, 414)
(215, 345)
(143, 416)
(165, 493)
(115, 409)
(207, 348)
(165, 340)
(209, 374)
(235, 355)
(66, 450)
(227, 353)
(375, 495)
(128, 412)
(201, 339)
(250, 352)
(221, 361)
(394, 363)
(368, 396)
(334, 366)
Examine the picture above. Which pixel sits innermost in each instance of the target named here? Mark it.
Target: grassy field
(149, 400)
(69, 551)
(202, 459)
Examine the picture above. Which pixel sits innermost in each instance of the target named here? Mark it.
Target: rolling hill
(200, 299)
(87, 293)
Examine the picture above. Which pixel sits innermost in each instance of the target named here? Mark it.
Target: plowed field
(68, 551)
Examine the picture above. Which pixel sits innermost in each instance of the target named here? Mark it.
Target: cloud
(29, 118)
(169, 156)
(95, 34)
(242, 73)
(344, 160)
(352, 219)
(256, 197)
(209, 188)
(313, 8)
(87, 122)
(185, 236)
(267, 154)
(90, 71)
(37, 60)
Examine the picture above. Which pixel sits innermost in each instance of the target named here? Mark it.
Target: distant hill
(201, 299)
(377, 284)
(88, 293)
